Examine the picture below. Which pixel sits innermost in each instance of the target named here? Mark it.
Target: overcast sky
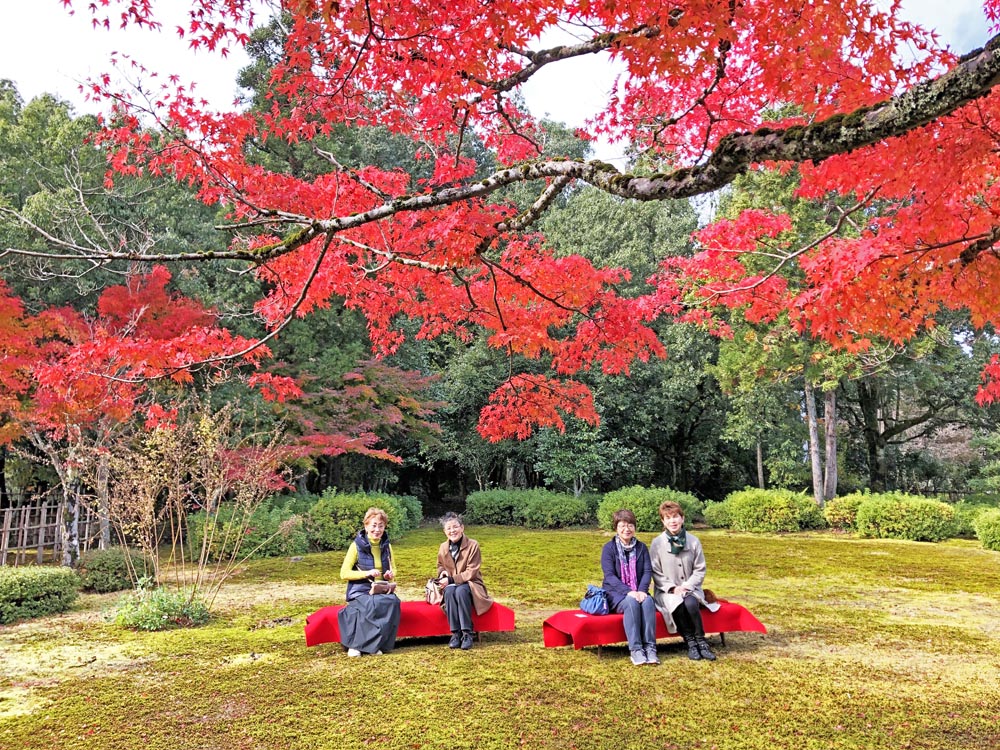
(46, 50)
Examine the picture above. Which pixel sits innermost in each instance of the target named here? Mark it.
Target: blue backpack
(594, 602)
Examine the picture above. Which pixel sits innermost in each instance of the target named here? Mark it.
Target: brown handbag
(432, 592)
(383, 587)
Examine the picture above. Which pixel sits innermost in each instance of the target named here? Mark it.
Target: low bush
(270, 531)
(771, 511)
(160, 609)
(645, 503)
(543, 509)
(494, 507)
(988, 529)
(336, 518)
(36, 591)
(968, 511)
(717, 515)
(113, 569)
(841, 512)
(535, 509)
(895, 515)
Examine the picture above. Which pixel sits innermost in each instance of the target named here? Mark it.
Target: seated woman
(627, 573)
(678, 573)
(369, 622)
(460, 577)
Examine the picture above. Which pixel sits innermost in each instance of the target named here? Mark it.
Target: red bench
(417, 620)
(576, 627)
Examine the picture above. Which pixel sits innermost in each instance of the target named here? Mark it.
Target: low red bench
(576, 627)
(416, 620)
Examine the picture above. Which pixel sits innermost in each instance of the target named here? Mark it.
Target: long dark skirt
(369, 623)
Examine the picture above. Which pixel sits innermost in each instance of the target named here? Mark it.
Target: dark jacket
(613, 584)
(366, 561)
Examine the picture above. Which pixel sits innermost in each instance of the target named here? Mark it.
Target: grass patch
(872, 643)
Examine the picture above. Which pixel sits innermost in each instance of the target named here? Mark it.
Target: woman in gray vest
(369, 622)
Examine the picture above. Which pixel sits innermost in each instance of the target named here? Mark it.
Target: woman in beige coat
(460, 578)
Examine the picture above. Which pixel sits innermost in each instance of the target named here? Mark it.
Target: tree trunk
(814, 458)
(71, 522)
(577, 486)
(103, 501)
(760, 464)
(830, 416)
(875, 440)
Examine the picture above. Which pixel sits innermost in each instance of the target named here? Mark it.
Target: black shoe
(693, 653)
(455, 641)
(466, 641)
(704, 650)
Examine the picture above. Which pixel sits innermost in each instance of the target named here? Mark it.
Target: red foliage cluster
(695, 72)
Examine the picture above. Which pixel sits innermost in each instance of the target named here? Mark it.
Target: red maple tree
(881, 113)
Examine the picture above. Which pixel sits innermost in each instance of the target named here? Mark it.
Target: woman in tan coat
(460, 578)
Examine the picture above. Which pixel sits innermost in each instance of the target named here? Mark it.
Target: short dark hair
(622, 515)
(449, 517)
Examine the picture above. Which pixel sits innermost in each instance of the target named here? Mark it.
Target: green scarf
(677, 542)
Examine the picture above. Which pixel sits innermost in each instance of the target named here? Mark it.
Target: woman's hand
(373, 573)
(639, 596)
(389, 574)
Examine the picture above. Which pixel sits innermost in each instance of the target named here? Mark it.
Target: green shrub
(495, 507)
(336, 518)
(160, 609)
(899, 516)
(36, 591)
(113, 569)
(967, 512)
(271, 531)
(543, 509)
(645, 503)
(771, 511)
(717, 515)
(841, 512)
(988, 529)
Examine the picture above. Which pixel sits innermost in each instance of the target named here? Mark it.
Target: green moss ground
(871, 644)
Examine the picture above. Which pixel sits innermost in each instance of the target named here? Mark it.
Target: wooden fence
(32, 531)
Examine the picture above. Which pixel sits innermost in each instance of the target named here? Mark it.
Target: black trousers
(687, 617)
(458, 607)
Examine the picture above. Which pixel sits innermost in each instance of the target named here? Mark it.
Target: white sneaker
(378, 653)
(353, 652)
(638, 658)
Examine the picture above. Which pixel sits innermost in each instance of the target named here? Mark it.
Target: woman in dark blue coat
(628, 572)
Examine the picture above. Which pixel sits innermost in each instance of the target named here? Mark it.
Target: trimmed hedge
(901, 516)
(113, 569)
(535, 509)
(841, 512)
(645, 503)
(772, 511)
(717, 515)
(270, 532)
(988, 529)
(335, 519)
(968, 511)
(36, 592)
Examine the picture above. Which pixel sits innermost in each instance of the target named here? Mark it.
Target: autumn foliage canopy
(875, 113)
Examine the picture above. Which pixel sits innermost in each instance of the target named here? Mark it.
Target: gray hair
(449, 517)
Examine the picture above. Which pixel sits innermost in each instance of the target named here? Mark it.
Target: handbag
(383, 587)
(432, 592)
(594, 602)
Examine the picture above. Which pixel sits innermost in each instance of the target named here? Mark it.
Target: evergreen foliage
(645, 503)
(35, 591)
(113, 569)
(896, 515)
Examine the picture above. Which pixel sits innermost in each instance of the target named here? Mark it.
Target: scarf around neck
(627, 563)
(677, 542)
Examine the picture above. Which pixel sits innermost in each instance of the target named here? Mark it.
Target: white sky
(46, 50)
